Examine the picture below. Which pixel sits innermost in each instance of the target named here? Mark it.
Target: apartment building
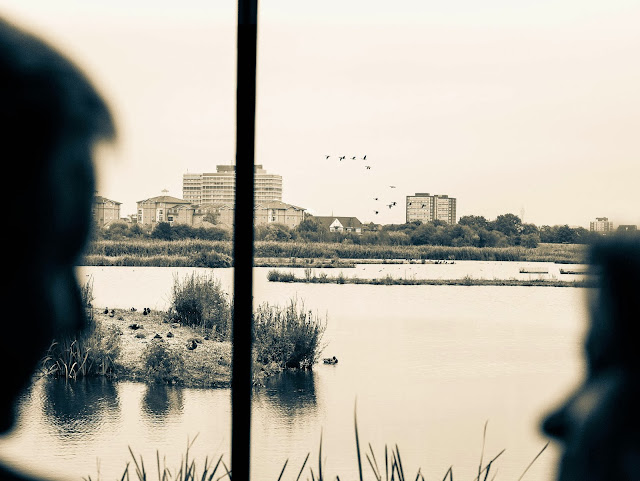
(105, 211)
(159, 209)
(219, 187)
(268, 212)
(426, 208)
(601, 225)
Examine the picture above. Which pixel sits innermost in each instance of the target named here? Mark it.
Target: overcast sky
(525, 107)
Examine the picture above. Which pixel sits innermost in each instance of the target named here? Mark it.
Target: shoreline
(275, 276)
(207, 365)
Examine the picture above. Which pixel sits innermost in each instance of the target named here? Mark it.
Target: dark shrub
(162, 364)
(289, 337)
(199, 301)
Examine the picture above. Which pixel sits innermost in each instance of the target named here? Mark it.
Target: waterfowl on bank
(330, 360)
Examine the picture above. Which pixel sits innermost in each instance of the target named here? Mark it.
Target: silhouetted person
(599, 425)
(50, 119)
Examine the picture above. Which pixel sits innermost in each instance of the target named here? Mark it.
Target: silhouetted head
(599, 425)
(50, 120)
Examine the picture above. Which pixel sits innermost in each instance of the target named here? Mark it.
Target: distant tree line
(161, 231)
(471, 230)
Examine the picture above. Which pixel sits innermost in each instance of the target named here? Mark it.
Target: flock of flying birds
(367, 166)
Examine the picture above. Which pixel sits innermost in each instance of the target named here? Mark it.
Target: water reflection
(160, 401)
(292, 393)
(83, 404)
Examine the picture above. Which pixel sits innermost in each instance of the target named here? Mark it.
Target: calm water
(425, 366)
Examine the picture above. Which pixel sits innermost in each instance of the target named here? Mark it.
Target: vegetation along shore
(323, 278)
(189, 344)
(208, 253)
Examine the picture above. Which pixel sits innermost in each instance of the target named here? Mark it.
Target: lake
(425, 367)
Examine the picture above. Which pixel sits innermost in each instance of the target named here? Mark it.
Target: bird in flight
(353, 158)
(375, 198)
(327, 156)
(376, 211)
(389, 205)
(341, 157)
(392, 186)
(364, 158)
(368, 167)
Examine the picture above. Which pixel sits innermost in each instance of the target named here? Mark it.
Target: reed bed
(92, 352)
(388, 280)
(390, 467)
(118, 252)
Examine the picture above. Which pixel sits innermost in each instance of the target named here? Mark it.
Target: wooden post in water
(243, 240)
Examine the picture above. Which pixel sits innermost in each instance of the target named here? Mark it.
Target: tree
(277, 232)
(474, 221)
(424, 234)
(509, 224)
(212, 217)
(530, 241)
(117, 230)
(162, 231)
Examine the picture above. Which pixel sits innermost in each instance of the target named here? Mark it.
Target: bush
(199, 301)
(289, 337)
(91, 353)
(162, 364)
(210, 259)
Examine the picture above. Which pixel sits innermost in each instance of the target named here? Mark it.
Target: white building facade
(219, 187)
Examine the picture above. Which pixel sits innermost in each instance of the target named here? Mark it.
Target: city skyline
(509, 108)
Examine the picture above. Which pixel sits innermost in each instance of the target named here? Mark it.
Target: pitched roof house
(341, 224)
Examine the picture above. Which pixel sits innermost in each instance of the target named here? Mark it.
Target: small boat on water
(330, 360)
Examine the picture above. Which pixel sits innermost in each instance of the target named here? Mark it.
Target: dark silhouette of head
(599, 425)
(50, 121)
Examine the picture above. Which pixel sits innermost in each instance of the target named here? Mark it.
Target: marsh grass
(182, 252)
(289, 336)
(388, 280)
(198, 300)
(390, 467)
(93, 352)
(187, 470)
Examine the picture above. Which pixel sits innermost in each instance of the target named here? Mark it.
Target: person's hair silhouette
(50, 120)
(599, 425)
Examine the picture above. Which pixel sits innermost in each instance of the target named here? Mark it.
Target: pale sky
(528, 106)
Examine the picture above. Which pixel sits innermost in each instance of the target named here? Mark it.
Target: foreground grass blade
(283, 468)
(488, 466)
(303, 465)
(355, 419)
(484, 438)
(448, 473)
(533, 461)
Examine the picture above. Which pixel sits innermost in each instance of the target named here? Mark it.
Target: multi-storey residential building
(601, 224)
(426, 208)
(219, 187)
(105, 211)
(273, 211)
(157, 209)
